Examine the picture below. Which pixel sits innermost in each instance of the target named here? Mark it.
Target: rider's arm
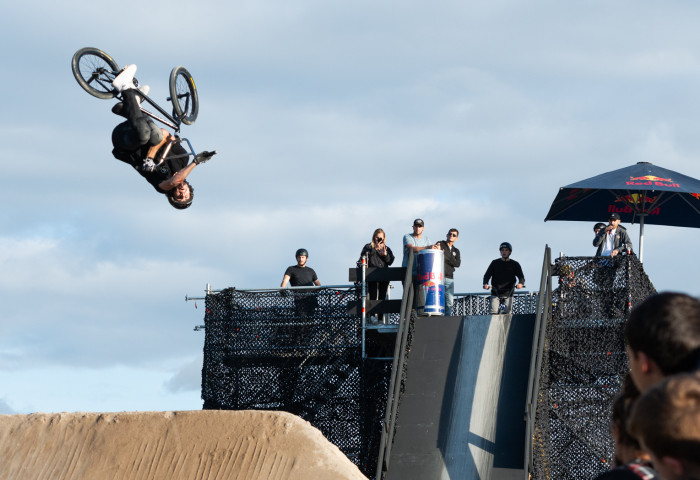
(154, 149)
(176, 179)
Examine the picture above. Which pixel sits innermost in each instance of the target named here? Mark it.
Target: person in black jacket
(378, 255)
(613, 239)
(502, 272)
(452, 261)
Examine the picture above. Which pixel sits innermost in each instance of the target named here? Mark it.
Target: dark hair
(453, 230)
(621, 407)
(181, 205)
(666, 327)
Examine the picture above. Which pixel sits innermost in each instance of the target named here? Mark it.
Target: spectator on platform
(300, 275)
(613, 239)
(598, 227)
(502, 272)
(415, 242)
(662, 335)
(630, 462)
(666, 421)
(452, 261)
(379, 255)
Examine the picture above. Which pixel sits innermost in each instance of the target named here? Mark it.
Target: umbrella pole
(641, 238)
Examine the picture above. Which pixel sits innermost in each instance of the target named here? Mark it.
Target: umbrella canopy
(641, 193)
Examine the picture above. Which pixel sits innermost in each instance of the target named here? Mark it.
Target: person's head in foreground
(627, 448)
(666, 421)
(662, 335)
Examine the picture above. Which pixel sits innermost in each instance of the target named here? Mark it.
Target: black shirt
(301, 276)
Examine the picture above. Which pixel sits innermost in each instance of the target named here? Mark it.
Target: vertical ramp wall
(461, 414)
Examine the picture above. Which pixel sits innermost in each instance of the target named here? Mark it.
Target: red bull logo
(635, 199)
(628, 209)
(652, 180)
(576, 192)
(696, 195)
(428, 278)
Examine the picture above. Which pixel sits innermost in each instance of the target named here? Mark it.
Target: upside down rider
(142, 144)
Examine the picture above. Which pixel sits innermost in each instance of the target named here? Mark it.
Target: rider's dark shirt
(163, 171)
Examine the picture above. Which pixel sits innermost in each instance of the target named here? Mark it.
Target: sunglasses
(378, 239)
(451, 234)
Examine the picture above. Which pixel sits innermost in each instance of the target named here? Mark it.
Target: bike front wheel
(183, 95)
(95, 70)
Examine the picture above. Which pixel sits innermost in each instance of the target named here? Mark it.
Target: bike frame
(168, 121)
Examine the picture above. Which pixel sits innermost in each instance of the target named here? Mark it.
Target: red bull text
(652, 180)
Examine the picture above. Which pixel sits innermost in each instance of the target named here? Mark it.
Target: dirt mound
(203, 444)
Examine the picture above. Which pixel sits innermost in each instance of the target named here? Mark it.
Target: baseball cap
(614, 216)
(418, 222)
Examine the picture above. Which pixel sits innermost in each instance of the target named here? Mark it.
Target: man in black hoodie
(502, 272)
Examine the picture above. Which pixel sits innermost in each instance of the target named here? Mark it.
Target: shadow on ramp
(462, 412)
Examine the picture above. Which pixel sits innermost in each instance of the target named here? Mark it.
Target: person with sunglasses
(379, 255)
(452, 261)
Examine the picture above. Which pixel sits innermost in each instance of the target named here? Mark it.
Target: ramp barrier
(582, 364)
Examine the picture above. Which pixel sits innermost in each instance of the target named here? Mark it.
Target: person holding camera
(378, 255)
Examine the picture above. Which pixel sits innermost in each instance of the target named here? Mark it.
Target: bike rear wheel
(183, 95)
(95, 70)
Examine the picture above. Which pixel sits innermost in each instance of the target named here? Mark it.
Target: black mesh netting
(584, 363)
(300, 353)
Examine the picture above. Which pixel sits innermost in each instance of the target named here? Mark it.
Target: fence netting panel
(584, 363)
(298, 352)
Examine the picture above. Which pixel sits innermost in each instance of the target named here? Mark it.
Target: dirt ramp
(203, 444)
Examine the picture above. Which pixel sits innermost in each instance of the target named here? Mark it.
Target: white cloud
(330, 120)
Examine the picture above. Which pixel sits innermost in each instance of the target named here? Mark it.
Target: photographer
(378, 255)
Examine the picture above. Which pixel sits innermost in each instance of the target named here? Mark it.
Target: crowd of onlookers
(656, 416)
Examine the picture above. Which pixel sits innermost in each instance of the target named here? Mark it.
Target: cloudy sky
(330, 119)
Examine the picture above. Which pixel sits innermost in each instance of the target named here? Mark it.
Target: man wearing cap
(415, 242)
(613, 239)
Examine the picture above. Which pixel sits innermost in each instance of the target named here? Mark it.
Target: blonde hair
(379, 230)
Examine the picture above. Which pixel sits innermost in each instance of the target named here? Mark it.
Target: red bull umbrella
(642, 193)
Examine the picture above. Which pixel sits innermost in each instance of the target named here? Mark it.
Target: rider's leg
(146, 131)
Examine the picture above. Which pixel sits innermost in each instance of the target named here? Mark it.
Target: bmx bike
(95, 70)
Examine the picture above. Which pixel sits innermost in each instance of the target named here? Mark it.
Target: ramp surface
(207, 444)
(461, 415)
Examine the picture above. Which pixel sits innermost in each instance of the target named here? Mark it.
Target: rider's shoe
(125, 79)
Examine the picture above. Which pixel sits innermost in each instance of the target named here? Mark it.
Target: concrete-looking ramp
(189, 445)
(461, 414)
